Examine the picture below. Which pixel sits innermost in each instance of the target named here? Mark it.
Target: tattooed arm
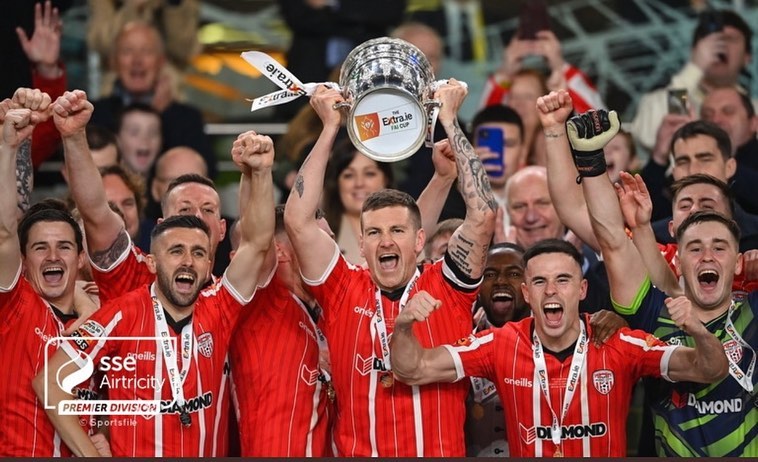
(24, 176)
(16, 129)
(106, 235)
(468, 245)
(313, 246)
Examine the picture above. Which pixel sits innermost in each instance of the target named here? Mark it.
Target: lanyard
(320, 337)
(580, 352)
(745, 379)
(176, 379)
(379, 325)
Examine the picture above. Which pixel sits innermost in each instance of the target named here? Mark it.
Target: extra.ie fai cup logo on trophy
(388, 86)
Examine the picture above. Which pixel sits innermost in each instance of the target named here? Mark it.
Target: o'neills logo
(522, 382)
(568, 432)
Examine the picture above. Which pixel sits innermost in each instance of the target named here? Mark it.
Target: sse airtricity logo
(68, 382)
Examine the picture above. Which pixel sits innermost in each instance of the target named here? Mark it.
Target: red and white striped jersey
(595, 422)
(376, 416)
(216, 312)
(282, 403)
(28, 324)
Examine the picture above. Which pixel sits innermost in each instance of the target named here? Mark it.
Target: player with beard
(691, 420)
(192, 327)
(562, 396)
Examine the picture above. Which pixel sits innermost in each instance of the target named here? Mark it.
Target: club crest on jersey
(733, 350)
(205, 344)
(603, 381)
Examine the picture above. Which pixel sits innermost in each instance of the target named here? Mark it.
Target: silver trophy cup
(387, 86)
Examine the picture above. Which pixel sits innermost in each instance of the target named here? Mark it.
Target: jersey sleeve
(645, 353)
(224, 297)
(331, 289)
(473, 355)
(127, 273)
(11, 297)
(645, 309)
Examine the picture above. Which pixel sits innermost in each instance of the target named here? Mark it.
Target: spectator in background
(350, 178)
(176, 20)
(720, 51)
(504, 120)
(138, 59)
(733, 111)
(139, 137)
(126, 191)
(169, 166)
(620, 155)
(325, 31)
(103, 146)
(42, 51)
(436, 244)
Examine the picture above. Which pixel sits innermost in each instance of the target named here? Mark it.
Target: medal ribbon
(379, 326)
(580, 353)
(320, 337)
(745, 379)
(176, 379)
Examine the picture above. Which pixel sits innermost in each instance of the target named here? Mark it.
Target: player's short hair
(702, 178)
(701, 127)
(183, 179)
(179, 221)
(392, 198)
(506, 245)
(47, 210)
(552, 246)
(706, 217)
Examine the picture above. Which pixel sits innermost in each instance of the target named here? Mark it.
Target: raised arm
(637, 208)
(17, 127)
(568, 198)
(411, 363)
(313, 246)
(256, 153)
(706, 363)
(432, 198)
(588, 134)
(468, 244)
(106, 236)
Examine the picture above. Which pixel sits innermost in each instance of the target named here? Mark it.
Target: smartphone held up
(493, 139)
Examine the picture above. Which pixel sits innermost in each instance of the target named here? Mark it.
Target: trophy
(388, 87)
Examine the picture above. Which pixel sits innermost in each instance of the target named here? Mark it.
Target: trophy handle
(342, 104)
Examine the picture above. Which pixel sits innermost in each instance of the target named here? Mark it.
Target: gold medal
(477, 411)
(387, 380)
(558, 452)
(330, 393)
